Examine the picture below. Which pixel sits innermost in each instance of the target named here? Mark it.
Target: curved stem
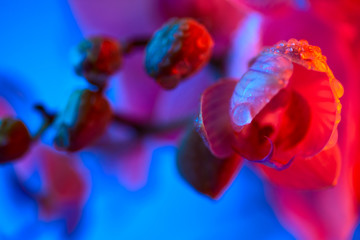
(48, 119)
(141, 128)
(146, 128)
(130, 45)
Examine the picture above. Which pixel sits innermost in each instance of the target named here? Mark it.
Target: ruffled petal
(299, 114)
(214, 120)
(315, 88)
(318, 172)
(202, 170)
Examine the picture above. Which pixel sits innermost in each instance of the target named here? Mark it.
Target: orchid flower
(333, 26)
(282, 113)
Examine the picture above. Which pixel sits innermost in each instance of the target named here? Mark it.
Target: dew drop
(241, 115)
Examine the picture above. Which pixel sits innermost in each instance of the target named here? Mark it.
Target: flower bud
(85, 118)
(177, 50)
(15, 139)
(97, 58)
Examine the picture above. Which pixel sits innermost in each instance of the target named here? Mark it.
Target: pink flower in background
(64, 184)
(62, 187)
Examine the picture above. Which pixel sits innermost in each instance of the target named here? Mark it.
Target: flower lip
(315, 101)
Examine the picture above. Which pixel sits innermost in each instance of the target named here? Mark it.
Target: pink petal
(183, 101)
(214, 120)
(181, 105)
(116, 18)
(246, 44)
(63, 178)
(64, 183)
(136, 93)
(205, 172)
(320, 171)
(324, 214)
(133, 165)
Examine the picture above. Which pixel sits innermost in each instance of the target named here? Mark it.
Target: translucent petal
(214, 120)
(267, 75)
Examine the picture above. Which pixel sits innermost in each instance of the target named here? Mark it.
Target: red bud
(15, 139)
(98, 58)
(177, 50)
(85, 118)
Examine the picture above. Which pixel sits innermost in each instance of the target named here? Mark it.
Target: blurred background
(36, 41)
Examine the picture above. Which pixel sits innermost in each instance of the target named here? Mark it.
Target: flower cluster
(223, 71)
(283, 113)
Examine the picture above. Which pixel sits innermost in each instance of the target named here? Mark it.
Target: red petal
(206, 173)
(315, 88)
(299, 120)
(214, 119)
(316, 172)
(356, 179)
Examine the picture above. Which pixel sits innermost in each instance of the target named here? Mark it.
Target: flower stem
(139, 42)
(146, 128)
(142, 128)
(48, 119)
